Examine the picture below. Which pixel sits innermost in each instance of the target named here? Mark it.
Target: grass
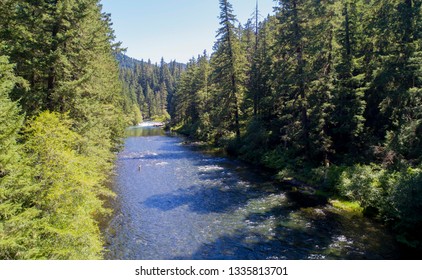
(351, 207)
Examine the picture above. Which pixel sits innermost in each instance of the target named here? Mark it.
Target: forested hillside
(61, 121)
(149, 88)
(325, 91)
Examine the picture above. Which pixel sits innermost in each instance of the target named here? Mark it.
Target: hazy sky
(173, 29)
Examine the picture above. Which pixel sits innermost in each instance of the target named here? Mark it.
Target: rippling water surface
(177, 203)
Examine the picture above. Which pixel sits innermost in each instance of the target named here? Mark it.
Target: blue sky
(173, 29)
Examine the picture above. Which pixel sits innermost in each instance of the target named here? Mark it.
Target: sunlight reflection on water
(176, 203)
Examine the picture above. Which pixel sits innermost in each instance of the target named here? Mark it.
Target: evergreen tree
(402, 93)
(395, 30)
(262, 71)
(293, 76)
(228, 69)
(193, 99)
(14, 189)
(69, 188)
(348, 78)
(152, 85)
(52, 190)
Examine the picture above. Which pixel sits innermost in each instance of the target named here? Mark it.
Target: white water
(150, 124)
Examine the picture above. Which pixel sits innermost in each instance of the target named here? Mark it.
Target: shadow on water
(188, 205)
(299, 233)
(198, 199)
(275, 233)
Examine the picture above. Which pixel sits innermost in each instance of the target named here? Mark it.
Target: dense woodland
(325, 91)
(149, 88)
(61, 121)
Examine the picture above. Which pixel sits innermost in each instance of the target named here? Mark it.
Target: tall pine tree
(228, 65)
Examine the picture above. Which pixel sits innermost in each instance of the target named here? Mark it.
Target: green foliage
(254, 143)
(193, 110)
(10, 120)
(364, 183)
(150, 87)
(68, 191)
(393, 196)
(351, 208)
(406, 206)
(54, 173)
(326, 91)
(13, 185)
(136, 115)
(277, 159)
(347, 117)
(161, 118)
(228, 70)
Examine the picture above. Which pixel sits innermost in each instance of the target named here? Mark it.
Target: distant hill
(129, 62)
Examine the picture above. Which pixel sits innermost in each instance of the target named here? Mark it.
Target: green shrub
(362, 183)
(161, 118)
(333, 177)
(406, 208)
(276, 159)
(394, 196)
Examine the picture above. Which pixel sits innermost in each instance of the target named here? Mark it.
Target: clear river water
(175, 202)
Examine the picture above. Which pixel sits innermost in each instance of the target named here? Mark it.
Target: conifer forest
(327, 93)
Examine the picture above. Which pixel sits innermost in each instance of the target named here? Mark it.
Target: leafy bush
(406, 206)
(161, 118)
(276, 159)
(394, 196)
(362, 183)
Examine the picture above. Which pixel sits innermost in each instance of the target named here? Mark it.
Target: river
(174, 202)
